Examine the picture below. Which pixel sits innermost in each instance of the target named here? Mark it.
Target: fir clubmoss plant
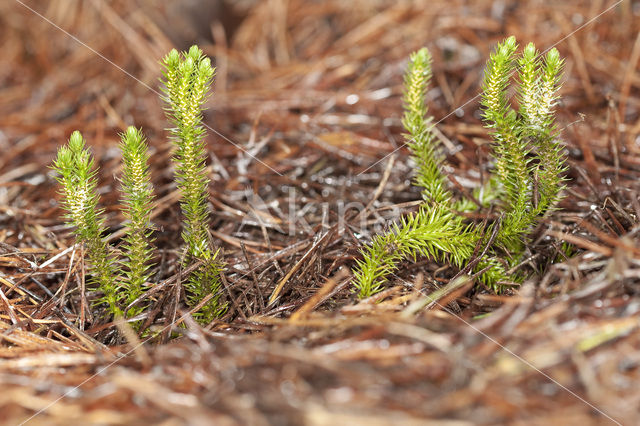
(137, 198)
(527, 157)
(187, 79)
(77, 177)
(537, 100)
(420, 138)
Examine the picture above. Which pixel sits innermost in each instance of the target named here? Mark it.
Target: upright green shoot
(529, 159)
(137, 199)
(420, 138)
(538, 97)
(77, 177)
(187, 80)
(510, 150)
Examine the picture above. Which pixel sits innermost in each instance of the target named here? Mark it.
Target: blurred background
(287, 68)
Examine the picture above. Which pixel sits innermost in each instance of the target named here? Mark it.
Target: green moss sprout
(529, 164)
(123, 279)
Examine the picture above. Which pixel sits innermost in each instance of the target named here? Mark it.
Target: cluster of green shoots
(529, 164)
(123, 279)
(527, 183)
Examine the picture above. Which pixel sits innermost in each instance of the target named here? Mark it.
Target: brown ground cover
(306, 102)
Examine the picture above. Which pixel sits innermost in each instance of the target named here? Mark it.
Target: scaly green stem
(137, 198)
(187, 79)
(77, 177)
